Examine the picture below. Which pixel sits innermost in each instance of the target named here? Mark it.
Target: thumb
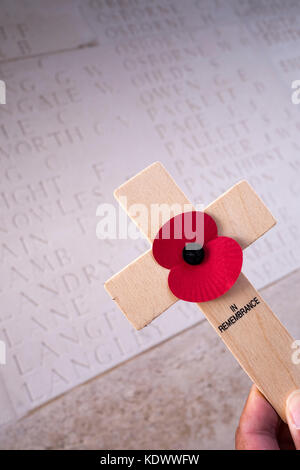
(293, 416)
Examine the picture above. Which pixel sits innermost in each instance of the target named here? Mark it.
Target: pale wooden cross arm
(239, 213)
(257, 339)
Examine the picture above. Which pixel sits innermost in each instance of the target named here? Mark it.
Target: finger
(293, 416)
(258, 425)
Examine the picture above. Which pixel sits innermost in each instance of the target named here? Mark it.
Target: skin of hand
(260, 427)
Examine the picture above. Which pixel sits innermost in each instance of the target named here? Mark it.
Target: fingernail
(293, 406)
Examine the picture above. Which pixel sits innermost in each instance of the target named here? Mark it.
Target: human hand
(260, 427)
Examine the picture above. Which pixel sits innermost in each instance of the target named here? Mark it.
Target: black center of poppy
(193, 253)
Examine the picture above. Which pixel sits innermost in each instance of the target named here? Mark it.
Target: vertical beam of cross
(243, 320)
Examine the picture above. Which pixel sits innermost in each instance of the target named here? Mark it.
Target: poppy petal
(184, 228)
(216, 274)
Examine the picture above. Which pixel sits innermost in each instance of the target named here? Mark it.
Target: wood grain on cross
(258, 340)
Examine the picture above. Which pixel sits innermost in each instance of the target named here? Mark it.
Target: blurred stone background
(97, 90)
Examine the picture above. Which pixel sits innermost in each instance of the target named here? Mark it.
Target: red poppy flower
(202, 265)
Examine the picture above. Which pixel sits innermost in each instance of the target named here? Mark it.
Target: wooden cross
(258, 340)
